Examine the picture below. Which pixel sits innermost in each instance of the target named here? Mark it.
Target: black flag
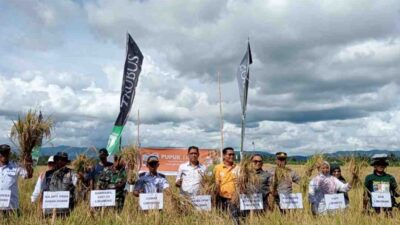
(243, 76)
(132, 69)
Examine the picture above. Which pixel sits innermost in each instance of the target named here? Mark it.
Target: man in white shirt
(39, 187)
(190, 173)
(9, 173)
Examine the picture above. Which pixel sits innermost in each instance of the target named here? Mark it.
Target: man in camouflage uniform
(61, 178)
(114, 177)
(282, 178)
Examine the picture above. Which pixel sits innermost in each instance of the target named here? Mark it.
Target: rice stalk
(355, 167)
(247, 182)
(130, 156)
(29, 131)
(312, 164)
(181, 204)
(82, 165)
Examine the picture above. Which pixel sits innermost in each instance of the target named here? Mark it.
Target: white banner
(251, 202)
(55, 200)
(151, 201)
(291, 201)
(201, 202)
(5, 197)
(335, 201)
(381, 200)
(102, 198)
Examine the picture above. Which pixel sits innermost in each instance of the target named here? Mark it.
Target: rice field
(30, 213)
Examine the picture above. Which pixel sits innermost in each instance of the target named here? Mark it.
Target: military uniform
(111, 178)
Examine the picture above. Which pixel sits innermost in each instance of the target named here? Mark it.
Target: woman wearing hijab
(321, 185)
(337, 172)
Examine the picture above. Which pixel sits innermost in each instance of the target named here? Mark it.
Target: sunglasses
(257, 161)
(152, 164)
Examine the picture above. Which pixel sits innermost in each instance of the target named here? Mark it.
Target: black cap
(61, 156)
(281, 155)
(152, 158)
(103, 151)
(379, 159)
(4, 149)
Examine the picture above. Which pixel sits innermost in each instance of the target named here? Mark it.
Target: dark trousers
(226, 204)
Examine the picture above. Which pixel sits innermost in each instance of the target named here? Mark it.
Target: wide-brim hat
(379, 159)
(61, 156)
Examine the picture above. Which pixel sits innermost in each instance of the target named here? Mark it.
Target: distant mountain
(73, 152)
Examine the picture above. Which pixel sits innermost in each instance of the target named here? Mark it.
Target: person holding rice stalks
(264, 177)
(61, 178)
(190, 173)
(38, 191)
(282, 178)
(321, 185)
(9, 173)
(225, 177)
(380, 181)
(151, 181)
(99, 167)
(114, 177)
(337, 172)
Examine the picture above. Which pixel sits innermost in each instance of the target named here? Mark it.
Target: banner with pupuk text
(171, 158)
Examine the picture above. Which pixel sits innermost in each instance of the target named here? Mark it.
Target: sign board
(102, 198)
(5, 197)
(335, 201)
(291, 201)
(171, 158)
(151, 201)
(381, 199)
(251, 202)
(201, 202)
(55, 200)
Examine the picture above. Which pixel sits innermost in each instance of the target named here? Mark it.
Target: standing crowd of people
(273, 182)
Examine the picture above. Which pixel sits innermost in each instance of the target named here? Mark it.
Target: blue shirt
(151, 184)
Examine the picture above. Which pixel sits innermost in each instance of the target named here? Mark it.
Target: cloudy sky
(325, 74)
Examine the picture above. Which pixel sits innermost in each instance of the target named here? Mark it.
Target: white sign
(335, 201)
(251, 202)
(201, 202)
(381, 200)
(291, 201)
(151, 201)
(55, 200)
(5, 197)
(102, 198)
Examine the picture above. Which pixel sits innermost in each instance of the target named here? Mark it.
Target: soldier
(114, 177)
(282, 177)
(9, 173)
(152, 181)
(380, 181)
(61, 178)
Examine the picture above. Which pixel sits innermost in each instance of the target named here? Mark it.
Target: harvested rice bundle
(355, 167)
(180, 203)
(208, 184)
(247, 181)
(312, 164)
(82, 165)
(130, 156)
(29, 132)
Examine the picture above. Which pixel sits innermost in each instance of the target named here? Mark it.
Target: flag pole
(138, 130)
(221, 116)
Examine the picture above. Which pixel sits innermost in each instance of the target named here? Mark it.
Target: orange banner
(171, 158)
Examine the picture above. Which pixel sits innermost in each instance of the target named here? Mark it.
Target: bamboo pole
(221, 115)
